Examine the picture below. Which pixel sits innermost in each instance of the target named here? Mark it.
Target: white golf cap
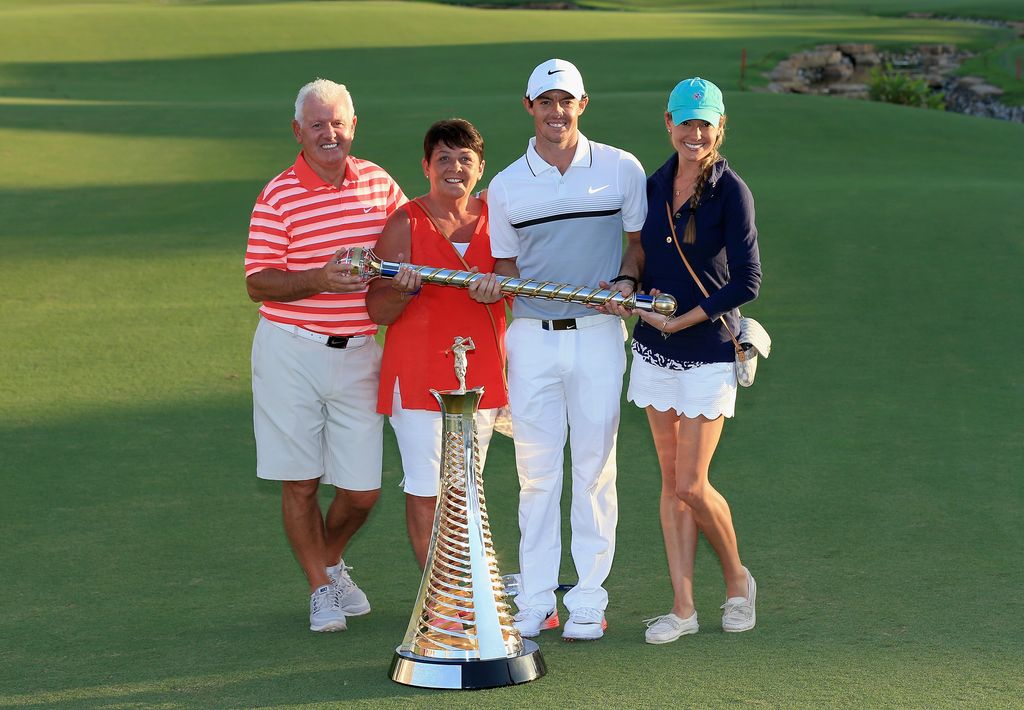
(555, 74)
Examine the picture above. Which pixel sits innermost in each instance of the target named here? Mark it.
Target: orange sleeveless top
(415, 345)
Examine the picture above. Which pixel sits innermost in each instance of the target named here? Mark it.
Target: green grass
(995, 9)
(873, 469)
(999, 66)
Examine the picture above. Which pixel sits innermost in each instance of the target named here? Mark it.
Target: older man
(315, 362)
(558, 214)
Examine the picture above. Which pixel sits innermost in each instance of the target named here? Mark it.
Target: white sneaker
(529, 622)
(353, 601)
(325, 612)
(663, 629)
(584, 624)
(739, 614)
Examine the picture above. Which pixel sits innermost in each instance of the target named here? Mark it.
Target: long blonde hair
(690, 233)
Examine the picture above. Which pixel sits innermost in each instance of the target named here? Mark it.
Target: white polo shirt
(566, 228)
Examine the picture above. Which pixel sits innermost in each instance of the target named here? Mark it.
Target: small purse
(753, 339)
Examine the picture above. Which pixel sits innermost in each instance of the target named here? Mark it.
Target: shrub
(895, 87)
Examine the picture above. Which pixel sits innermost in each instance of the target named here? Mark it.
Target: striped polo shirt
(300, 221)
(566, 228)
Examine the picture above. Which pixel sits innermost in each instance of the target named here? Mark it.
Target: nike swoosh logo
(554, 71)
(592, 190)
(367, 209)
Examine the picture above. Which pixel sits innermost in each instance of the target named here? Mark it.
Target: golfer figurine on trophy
(460, 347)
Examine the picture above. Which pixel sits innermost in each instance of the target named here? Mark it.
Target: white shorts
(419, 441)
(708, 389)
(315, 410)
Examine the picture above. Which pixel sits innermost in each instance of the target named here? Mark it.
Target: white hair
(325, 91)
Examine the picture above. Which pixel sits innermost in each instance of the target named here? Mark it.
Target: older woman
(682, 371)
(447, 228)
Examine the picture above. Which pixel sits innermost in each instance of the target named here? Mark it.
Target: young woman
(446, 228)
(682, 371)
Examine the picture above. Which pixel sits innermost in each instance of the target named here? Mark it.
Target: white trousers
(419, 432)
(566, 384)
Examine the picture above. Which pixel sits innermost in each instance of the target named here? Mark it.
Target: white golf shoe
(739, 613)
(584, 624)
(352, 600)
(667, 628)
(325, 612)
(532, 620)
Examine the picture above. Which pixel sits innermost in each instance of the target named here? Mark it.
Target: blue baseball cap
(696, 98)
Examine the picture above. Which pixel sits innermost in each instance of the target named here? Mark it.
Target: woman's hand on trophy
(407, 281)
(658, 321)
(486, 289)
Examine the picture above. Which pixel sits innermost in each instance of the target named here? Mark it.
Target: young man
(558, 214)
(315, 363)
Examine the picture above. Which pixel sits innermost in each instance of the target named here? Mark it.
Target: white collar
(584, 157)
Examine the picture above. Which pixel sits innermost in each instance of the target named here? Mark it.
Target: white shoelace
(530, 612)
(658, 619)
(344, 580)
(586, 615)
(739, 609)
(319, 599)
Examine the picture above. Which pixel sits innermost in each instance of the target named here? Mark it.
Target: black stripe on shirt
(567, 215)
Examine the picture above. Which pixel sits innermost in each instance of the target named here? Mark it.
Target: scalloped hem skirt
(708, 389)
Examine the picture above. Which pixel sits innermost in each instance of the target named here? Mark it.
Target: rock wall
(843, 70)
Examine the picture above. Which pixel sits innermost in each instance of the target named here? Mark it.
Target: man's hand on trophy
(337, 277)
(407, 281)
(486, 289)
(626, 289)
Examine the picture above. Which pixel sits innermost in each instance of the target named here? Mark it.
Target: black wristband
(627, 277)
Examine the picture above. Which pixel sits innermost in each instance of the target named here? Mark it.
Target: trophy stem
(461, 634)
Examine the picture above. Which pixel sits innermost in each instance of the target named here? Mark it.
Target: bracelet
(626, 277)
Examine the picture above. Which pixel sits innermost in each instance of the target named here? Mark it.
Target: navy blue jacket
(724, 255)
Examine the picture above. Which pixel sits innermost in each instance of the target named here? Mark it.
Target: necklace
(688, 186)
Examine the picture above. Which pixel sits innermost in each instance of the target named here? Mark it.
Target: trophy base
(410, 669)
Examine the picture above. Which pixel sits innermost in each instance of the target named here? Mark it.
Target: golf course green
(873, 469)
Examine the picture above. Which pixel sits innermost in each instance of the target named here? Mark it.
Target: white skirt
(708, 389)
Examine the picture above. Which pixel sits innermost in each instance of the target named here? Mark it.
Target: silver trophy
(461, 633)
(365, 264)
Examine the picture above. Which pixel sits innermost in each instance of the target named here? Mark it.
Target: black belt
(563, 324)
(338, 341)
